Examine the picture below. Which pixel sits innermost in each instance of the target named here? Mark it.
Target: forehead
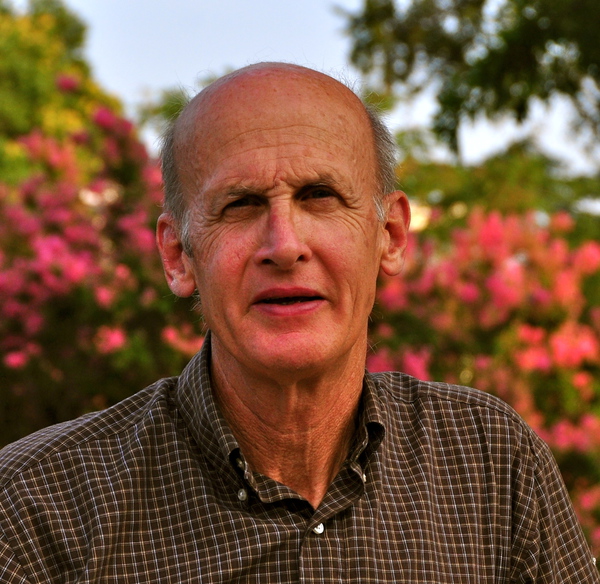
(294, 113)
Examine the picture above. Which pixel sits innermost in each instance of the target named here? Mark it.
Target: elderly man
(274, 457)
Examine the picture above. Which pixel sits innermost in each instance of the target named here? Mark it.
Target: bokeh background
(496, 108)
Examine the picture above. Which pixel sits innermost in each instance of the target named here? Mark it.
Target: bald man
(274, 457)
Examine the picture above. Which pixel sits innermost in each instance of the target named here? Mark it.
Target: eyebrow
(324, 179)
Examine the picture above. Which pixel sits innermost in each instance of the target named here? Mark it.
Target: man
(274, 457)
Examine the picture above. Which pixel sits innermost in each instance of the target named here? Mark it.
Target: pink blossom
(566, 289)
(562, 222)
(392, 295)
(111, 150)
(385, 330)
(16, 359)
(110, 339)
(123, 272)
(483, 362)
(468, 292)
(532, 335)
(541, 296)
(491, 235)
(33, 322)
(582, 380)
(505, 294)
(533, 359)
(184, 341)
(66, 83)
(104, 296)
(416, 362)
(21, 220)
(380, 361)
(105, 118)
(587, 258)
(574, 344)
(77, 267)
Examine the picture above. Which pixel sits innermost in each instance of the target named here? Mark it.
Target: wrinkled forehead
(267, 97)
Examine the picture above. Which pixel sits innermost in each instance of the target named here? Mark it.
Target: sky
(138, 47)
(141, 46)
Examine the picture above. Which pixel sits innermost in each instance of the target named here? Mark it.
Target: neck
(294, 429)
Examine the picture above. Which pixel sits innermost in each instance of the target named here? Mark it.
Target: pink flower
(587, 258)
(416, 362)
(392, 295)
(531, 335)
(534, 359)
(468, 292)
(184, 341)
(104, 296)
(105, 118)
(385, 330)
(16, 359)
(110, 339)
(380, 361)
(574, 344)
(66, 83)
(507, 285)
(562, 222)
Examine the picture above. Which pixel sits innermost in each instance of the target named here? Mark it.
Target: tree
(85, 315)
(508, 305)
(483, 57)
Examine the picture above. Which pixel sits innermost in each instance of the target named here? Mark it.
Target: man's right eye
(248, 201)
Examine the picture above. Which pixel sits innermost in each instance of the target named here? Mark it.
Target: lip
(286, 292)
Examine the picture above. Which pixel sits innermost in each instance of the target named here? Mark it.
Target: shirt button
(319, 529)
(364, 478)
(239, 462)
(242, 494)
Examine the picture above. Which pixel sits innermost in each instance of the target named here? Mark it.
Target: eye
(317, 192)
(244, 201)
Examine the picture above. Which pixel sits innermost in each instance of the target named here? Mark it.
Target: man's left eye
(318, 193)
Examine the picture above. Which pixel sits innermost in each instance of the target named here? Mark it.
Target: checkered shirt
(443, 485)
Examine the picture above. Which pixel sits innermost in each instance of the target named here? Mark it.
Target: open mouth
(286, 300)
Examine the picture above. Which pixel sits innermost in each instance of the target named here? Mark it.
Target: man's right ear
(176, 263)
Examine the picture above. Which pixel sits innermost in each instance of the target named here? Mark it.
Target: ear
(176, 263)
(395, 232)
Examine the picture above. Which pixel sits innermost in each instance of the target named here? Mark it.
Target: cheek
(221, 262)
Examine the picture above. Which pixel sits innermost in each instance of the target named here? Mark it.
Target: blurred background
(496, 108)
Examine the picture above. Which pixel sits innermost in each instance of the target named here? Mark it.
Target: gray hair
(174, 203)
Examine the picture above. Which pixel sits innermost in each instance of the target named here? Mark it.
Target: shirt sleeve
(548, 544)
(11, 571)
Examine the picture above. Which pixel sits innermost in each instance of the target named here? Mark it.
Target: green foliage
(514, 181)
(482, 57)
(85, 315)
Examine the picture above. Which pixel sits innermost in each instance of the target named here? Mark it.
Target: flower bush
(85, 315)
(509, 306)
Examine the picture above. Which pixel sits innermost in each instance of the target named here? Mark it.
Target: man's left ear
(396, 226)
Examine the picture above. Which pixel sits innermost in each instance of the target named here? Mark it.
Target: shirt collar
(195, 401)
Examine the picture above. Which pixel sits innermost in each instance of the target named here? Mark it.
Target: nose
(283, 240)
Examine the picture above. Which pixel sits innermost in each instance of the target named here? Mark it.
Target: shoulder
(469, 412)
(403, 388)
(90, 431)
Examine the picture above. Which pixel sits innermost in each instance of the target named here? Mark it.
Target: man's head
(383, 145)
(274, 221)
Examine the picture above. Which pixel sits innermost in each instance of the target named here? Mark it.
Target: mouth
(287, 296)
(287, 300)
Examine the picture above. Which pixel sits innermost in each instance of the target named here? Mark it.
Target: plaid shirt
(443, 485)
